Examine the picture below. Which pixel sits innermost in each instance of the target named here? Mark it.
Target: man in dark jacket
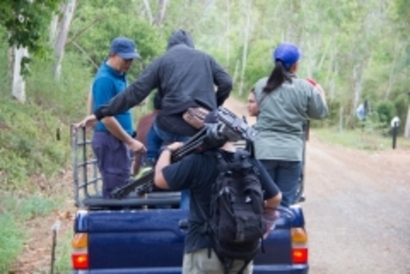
(185, 77)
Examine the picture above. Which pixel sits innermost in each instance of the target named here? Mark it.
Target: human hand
(270, 216)
(175, 146)
(88, 122)
(136, 146)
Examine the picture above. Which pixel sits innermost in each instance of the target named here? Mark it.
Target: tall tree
(25, 22)
(63, 27)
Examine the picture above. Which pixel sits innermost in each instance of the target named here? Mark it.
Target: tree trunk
(341, 113)
(63, 28)
(10, 65)
(407, 126)
(228, 30)
(160, 16)
(392, 74)
(246, 44)
(19, 85)
(148, 10)
(53, 30)
(357, 85)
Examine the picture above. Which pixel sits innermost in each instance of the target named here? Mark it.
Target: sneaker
(143, 170)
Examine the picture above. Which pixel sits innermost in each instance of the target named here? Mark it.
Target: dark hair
(278, 76)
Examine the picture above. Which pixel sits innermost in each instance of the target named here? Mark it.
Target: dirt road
(357, 209)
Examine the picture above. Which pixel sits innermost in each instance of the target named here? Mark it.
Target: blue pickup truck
(146, 234)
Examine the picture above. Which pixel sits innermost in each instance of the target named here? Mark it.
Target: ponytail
(277, 77)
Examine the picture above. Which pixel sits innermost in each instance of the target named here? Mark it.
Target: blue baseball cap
(124, 47)
(288, 53)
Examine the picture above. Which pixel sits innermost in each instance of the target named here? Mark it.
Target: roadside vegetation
(35, 152)
(360, 139)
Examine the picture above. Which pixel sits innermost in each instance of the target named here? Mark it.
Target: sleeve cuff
(98, 114)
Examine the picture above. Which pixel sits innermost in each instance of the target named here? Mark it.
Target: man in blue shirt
(113, 140)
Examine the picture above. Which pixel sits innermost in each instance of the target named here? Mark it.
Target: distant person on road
(185, 78)
(285, 102)
(112, 140)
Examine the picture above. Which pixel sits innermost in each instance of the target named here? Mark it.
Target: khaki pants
(198, 262)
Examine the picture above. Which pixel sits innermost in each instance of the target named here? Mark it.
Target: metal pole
(54, 229)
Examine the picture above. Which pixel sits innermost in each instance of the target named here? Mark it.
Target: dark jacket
(185, 77)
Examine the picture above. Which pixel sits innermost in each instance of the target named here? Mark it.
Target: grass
(63, 251)
(28, 145)
(15, 209)
(371, 141)
(11, 240)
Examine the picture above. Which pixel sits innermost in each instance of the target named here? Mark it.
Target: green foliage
(22, 155)
(28, 206)
(63, 251)
(11, 240)
(26, 23)
(260, 62)
(386, 111)
(364, 139)
(97, 23)
(66, 99)
(14, 210)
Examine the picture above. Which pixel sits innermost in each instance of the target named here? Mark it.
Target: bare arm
(90, 103)
(116, 129)
(273, 203)
(163, 161)
(270, 215)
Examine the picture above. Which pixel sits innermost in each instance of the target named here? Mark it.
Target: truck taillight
(80, 240)
(299, 255)
(299, 246)
(79, 261)
(79, 257)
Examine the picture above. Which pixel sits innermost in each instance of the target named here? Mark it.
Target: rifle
(229, 128)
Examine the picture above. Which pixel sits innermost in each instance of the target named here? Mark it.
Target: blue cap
(288, 53)
(124, 47)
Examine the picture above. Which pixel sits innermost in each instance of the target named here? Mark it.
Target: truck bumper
(257, 269)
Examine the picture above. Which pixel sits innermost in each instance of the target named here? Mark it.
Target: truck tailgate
(151, 241)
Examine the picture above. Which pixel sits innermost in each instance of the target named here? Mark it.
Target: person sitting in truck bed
(148, 136)
(198, 172)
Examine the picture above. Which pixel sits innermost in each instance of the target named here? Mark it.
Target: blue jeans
(168, 137)
(286, 175)
(154, 143)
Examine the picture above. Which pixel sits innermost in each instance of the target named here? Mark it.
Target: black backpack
(236, 225)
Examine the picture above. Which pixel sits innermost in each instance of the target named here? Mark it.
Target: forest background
(50, 49)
